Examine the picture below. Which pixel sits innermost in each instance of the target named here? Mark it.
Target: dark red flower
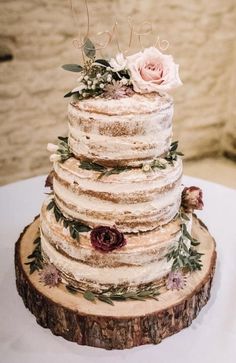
(106, 239)
(192, 199)
(49, 180)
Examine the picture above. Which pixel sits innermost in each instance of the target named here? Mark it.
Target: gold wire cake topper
(145, 29)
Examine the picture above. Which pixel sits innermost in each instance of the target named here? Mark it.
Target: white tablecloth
(211, 337)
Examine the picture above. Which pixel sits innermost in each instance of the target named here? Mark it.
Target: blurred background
(36, 39)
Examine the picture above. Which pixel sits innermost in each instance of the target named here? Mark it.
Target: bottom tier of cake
(124, 324)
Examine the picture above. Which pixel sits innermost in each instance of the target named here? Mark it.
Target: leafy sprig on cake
(158, 163)
(184, 255)
(60, 152)
(143, 72)
(100, 76)
(74, 227)
(35, 258)
(117, 294)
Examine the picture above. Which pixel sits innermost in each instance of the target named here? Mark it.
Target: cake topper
(138, 31)
(148, 71)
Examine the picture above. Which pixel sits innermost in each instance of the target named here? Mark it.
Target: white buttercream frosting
(121, 131)
(129, 131)
(141, 261)
(133, 200)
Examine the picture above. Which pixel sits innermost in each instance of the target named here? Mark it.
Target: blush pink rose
(152, 71)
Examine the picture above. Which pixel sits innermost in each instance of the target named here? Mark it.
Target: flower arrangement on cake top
(144, 72)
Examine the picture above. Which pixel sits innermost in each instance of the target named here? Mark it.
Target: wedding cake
(117, 242)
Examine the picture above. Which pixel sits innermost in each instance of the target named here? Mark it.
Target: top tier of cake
(127, 131)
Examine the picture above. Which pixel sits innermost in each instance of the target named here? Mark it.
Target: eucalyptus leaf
(83, 228)
(75, 227)
(88, 165)
(72, 67)
(116, 170)
(89, 49)
(89, 295)
(105, 299)
(69, 94)
(50, 205)
(184, 257)
(36, 257)
(102, 62)
(63, 138)
(71, 289)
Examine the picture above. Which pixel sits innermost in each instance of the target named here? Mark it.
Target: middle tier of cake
(133, 200)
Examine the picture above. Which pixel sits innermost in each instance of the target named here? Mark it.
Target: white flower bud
(118, 63)
(93, 86)
(54, 158)
(98, 75)
(80, 78)
(79, 88)
(146, 167)
(101, 85)
(52, 148)
(109, 78)
(84, 94)
(124, 81)
(89, 82)
(86, 78)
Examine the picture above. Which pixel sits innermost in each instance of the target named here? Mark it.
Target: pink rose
(152, 71)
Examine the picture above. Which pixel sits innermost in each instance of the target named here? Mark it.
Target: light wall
(39, 34)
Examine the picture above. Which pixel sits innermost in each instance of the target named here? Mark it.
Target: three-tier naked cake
(117, 258)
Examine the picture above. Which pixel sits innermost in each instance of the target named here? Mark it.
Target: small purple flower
(50, 276)
(106, 239)
(175, 280)
(117, 91)
(192, 199)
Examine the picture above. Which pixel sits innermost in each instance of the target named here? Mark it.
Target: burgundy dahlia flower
(49, 180)
(106, 239)
(192, 199)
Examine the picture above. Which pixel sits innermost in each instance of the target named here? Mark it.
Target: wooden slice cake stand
(127, 323)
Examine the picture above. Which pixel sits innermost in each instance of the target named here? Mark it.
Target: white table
(211, 337)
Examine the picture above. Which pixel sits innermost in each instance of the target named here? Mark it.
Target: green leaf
(89, 295)
(91, 166)
(83, 228)
(72, 67)
(37, 241)
(69, 94)
(36, 257)
(184, 216)
(89, 49)
(174, 146)
(50, 205)
(102, 62)
(65, 223)
(71, 289)
(73, 231)
(195, 243)
(105, 299)
(116, 170)
(63, 138)
(118, 297)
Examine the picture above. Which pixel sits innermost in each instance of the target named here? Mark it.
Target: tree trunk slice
(127, 323)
